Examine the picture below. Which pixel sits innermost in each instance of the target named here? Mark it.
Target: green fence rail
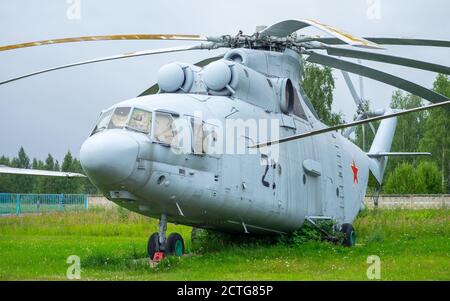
(17, 203)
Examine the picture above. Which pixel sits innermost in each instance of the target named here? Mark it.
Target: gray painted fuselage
(314, 176)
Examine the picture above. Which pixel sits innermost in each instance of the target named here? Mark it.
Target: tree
(74, 185)
(408, 179)
(401, 180)
(32, 184)
(428, 178)
(436, 138)
(318, 83)
(47, 184)
(5, 180)
(409, 131)
(18, 183)
(23, 161)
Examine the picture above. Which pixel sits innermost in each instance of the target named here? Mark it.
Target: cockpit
(120, 117)
(161, 126)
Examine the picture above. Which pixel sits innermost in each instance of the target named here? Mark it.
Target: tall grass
(112, 245)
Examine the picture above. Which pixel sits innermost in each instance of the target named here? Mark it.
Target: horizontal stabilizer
(37, 172)
(396, 154)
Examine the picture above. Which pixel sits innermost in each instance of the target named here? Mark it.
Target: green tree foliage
(33, 184)
(436, 138)
(410, 129)
(407, 179)
(15, 183)
(428, 178)
(318, 83)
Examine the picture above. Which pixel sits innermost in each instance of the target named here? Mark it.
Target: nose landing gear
(158, 246)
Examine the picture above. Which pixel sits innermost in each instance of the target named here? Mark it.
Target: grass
(111, 243)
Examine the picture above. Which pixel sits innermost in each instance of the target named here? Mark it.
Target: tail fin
(382, 144)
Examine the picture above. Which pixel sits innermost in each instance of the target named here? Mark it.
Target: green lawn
(412, 245)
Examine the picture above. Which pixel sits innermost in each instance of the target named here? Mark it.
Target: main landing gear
(344, 234)
(349, 235)
(160, 246)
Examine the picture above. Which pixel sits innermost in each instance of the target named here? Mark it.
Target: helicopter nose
(109, 157)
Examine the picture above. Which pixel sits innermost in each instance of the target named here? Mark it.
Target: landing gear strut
(349, 235)
(158, 246)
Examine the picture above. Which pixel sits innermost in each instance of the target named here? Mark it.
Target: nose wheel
(159, 246)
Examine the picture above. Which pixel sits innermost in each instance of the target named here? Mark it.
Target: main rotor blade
(350, 86)
(382, 41)
(287, 27)
(354, 123)
(37, 172)
(387, 59)
(155, 88)
(117, 57)
(107, 38)
(377, 75)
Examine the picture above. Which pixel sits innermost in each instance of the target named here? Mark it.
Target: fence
(16, 203)
(413, 201)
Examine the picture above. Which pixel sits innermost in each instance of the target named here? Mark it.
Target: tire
(349, 235)
(175, 245)
(153, 245)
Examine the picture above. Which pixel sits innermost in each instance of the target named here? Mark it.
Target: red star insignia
(355, 172)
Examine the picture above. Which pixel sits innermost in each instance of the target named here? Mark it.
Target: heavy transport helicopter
(233, 143)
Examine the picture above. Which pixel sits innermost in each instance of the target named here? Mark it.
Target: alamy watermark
(74, 270)
(373, 11)
(73, 11)
(374, 270)
(215, 137)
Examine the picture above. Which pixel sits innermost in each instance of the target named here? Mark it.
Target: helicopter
(233, 143)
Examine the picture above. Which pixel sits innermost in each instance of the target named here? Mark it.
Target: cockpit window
(102, 122)
(165, 130)
(140, 121)
(119, 118)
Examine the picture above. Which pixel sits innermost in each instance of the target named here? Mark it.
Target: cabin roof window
(140, 121)
(119, 118)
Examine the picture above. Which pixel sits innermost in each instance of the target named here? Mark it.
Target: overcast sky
(56, 111)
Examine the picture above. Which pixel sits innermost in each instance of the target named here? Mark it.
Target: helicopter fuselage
(321, 176)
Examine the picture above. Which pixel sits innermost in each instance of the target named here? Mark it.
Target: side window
(165, 130)
(119, 118)
(210, 136)
(197, 135)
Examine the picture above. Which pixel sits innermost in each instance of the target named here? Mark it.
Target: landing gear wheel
(349, 235)
(175, 245)
(153, 245)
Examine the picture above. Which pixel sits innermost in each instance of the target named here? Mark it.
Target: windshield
(140, 121)
(119, 118)
(102, 122)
